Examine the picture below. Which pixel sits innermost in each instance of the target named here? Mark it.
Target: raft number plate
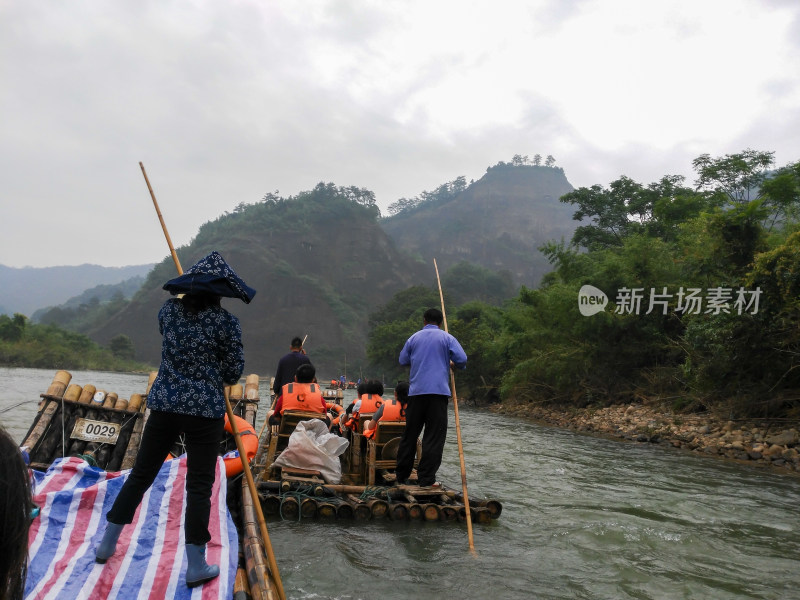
(96, 431)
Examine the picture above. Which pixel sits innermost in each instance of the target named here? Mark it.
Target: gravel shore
(769, 443)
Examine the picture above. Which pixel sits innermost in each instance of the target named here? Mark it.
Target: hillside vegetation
(94, 305)
(320, 264)
(497, 222)
(702, 285)
(26, 344)
(28, 289)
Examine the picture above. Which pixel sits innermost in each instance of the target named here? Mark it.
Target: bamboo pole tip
(235, 392)
(73, 392)
(60, 382)
(62, 377)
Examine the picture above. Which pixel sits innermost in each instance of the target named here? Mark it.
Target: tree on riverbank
(26, 344)
(702, 286)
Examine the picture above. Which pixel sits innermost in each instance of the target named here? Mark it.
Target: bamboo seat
(385, 432)
(357, 447)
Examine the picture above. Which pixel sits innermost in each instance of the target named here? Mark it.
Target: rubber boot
(198, 571)
(106, 548)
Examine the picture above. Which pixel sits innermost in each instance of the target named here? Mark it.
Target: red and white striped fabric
(150, 561)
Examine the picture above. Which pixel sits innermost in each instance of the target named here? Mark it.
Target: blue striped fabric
(150, 561)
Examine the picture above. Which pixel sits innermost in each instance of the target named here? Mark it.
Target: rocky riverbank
(766, 443)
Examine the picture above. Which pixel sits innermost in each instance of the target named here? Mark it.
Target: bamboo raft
(105, 430)
(367, 492)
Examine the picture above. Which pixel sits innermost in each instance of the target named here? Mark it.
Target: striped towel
(150, 561)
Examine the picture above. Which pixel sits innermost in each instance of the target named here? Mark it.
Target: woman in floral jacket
(201, 353)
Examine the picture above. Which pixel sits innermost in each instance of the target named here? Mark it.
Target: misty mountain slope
(28, 289)
(323, 261)
(320, 264)
(90, 298)
(497, 222)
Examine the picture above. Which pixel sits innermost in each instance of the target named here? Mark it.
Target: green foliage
(385, 342)
(92, 298)
(442, 194)
(12, 329)
(50, 347)
(121, 346)
(556, 354)
(393, 323)
(408, 304)
(737, 230)
(85, 316)
(782, 193)
(299, 215)
(777, 274)
(466, 281)
(628, 207)
(737, 234)
(737, 176)
(465, 286)
(478, 326)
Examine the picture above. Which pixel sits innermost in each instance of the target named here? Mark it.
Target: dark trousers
(428, 411)
(162, 429)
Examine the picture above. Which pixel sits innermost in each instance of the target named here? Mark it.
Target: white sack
(312, 446)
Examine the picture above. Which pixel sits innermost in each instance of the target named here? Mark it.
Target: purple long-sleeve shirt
(429, 352)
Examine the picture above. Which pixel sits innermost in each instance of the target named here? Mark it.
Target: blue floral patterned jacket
(200, 353)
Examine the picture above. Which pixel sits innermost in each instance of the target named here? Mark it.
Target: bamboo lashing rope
(458, 427)
(262, 524)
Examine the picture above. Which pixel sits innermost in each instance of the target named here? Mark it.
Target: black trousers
(428, 411)
(162, 429)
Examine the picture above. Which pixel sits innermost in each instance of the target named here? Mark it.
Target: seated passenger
(393, 410)
(338, 425)
(368, 403)
(302, 394)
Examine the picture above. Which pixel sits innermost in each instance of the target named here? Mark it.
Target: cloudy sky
(226, 101)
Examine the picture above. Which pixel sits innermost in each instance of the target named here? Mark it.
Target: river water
(583, 517)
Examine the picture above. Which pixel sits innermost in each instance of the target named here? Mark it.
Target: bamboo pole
(360, 509)
(161, 220)
(262, 524)
(458, 426)
(263, 427)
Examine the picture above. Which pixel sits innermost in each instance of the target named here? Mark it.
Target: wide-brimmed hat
(211, 275)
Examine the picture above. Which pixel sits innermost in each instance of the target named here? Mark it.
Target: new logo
(591, 300)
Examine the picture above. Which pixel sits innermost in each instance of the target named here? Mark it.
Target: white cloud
(224, 102)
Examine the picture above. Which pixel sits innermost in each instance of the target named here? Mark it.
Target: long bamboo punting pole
(458, 425)
(262, 524)
(163, 225)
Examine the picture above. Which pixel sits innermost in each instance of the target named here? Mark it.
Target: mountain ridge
(324, 260)
(28, 289)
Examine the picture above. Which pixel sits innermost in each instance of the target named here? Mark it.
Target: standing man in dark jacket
(430, 353)
(287, 365)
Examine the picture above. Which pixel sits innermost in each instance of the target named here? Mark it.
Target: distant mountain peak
(497, 222)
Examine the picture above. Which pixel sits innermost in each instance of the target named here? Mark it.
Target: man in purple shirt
(430, 353)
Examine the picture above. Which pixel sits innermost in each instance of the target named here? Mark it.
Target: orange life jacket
(392, 411)
(369, 404)
(302, 396)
